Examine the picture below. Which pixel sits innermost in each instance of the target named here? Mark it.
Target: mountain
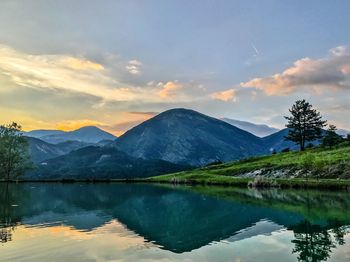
(43, 132)
(105, 142)
(343, 132)
(40, 150)
(256, 129)
(87, 134)
(94, 162)
(185, 136)
(277, 142)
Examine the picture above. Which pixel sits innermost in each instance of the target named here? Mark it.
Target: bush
(309, 160)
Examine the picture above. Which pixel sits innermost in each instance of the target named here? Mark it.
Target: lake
(143, 222)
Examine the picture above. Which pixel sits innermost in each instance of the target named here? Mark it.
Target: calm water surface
(135, 222)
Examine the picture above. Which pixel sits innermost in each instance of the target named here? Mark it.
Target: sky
(113, 64)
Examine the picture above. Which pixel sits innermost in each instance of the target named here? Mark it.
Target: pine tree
(305, 124)
(331, 138)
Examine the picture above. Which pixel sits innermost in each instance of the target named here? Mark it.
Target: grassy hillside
(316, 167)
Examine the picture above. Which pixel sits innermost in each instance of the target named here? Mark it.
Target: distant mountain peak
(179, 112)
(88, 128)
(260, 130)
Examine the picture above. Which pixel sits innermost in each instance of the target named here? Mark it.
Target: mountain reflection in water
(184, 222)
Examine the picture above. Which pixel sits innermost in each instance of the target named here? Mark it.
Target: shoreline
(329, 184)
(295, 183)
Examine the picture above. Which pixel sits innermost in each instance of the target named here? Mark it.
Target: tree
(331, 138)
(14, 156)
(305, 124)
(312, 243)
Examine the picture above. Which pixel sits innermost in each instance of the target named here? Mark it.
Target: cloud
(74, 74)
(133, 119)
(134, 67)
(66, 73)
(226, 96)
(332, 71)
(150, 114)
(102, 80)
(170, 89)
(42, 91)
(82, 64)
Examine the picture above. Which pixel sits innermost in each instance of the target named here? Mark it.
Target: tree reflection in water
(8, 217)
(6, 233)
(314, 243)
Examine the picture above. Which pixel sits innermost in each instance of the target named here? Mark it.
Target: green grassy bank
(314, 168)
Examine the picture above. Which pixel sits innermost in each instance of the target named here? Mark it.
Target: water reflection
(179, 220)
(315, 243)
(8, 216)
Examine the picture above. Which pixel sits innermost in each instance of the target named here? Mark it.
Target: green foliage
(331, 138)
(305, 124)
(308, 159)
(14, 156)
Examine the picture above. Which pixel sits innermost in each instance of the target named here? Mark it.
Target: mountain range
(94, 162)
(174, 140)
(40, 150)
(87, 134)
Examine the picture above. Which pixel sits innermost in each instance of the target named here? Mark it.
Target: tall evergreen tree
(331, 138)
(14, 156)
(305, 124)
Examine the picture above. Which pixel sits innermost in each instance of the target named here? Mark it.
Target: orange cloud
(129, 120)
(226, 96)
(170, 89)
(82, 64)
(318, 74)
(65, 72)
(69, 125)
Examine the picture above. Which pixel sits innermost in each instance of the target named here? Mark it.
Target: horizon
(155, 114)
(244, 61)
